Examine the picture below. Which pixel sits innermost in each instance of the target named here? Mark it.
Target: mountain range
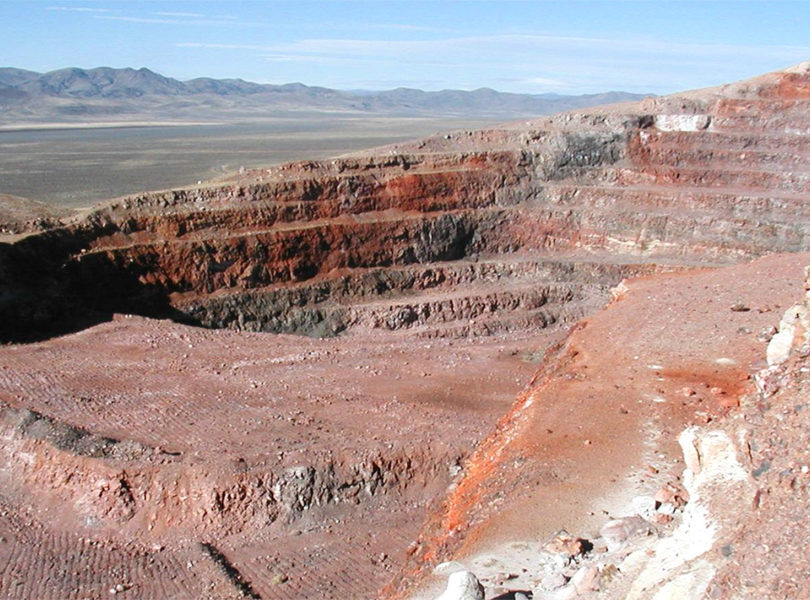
(108, 94)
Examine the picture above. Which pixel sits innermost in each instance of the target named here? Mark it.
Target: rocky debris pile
(772, 434)
(744, 493)
(660, 547)
(790, 339)
(21, 215)
(568, 566)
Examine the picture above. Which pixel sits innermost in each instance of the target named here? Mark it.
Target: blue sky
(519, 46)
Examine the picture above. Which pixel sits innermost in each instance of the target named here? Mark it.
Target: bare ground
(177, 408)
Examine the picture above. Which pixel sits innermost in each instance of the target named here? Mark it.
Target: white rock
(553, 581)
(463, 585)
(586, 579)
(713, 473)
(644, 506)
(682, 122)
(691, 584)
(620, 291)
(667, 508)
(781, 344)
(618, 531)
(446, 568)
(716, 457)
(802, 68)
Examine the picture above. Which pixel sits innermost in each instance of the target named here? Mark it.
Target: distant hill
(105, 94)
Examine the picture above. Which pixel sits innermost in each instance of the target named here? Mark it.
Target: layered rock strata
(711, 177)
(440, 268)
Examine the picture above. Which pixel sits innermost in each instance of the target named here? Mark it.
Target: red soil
(213, 414)
(600, 421)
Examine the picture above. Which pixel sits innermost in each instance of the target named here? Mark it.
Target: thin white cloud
(336, 61)
(498, 46)
(184, 21)
(501, 44)
(298, 58)
(406, 27)
(546, 82)
(312, 58)
(354, 61)
(180, 14)
(535, 63)
(220, 46)
(83, 9)
(142, 20)
(391, 83)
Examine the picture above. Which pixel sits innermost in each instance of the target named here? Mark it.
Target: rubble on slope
(744, 495)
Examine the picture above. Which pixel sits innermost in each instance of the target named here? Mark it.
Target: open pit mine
(540, 360)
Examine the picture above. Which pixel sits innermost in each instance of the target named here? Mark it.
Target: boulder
(463, 585)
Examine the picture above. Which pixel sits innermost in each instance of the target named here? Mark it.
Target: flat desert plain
(79, 166)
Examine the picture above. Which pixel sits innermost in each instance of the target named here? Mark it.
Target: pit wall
(716, 178)
(150, 253)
